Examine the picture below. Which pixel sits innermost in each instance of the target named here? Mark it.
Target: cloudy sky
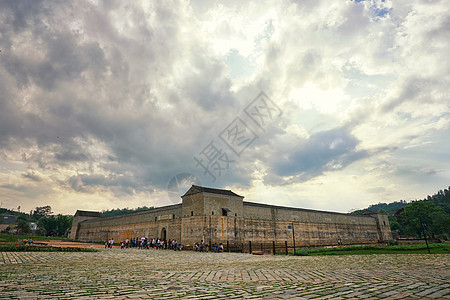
(315, 104)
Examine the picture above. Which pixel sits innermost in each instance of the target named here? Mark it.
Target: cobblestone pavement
(163, 274)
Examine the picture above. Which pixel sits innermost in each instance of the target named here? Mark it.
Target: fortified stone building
(221, 216)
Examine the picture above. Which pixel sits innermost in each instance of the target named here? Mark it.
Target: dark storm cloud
(21, 14)
(71, 155)
(119, 185)
(324, 151)
(85, 90)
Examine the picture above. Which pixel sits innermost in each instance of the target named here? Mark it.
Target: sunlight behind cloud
(331, 101)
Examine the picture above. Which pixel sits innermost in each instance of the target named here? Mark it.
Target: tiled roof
(85, 213)
(201, 189)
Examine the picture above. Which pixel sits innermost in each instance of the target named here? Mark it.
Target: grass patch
(12, 238)
(375, 249)
(26, 248)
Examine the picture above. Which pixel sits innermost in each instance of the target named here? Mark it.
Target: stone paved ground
(163, 274)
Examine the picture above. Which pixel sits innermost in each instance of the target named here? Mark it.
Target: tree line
(47, 223)
(123, 211)
(418, 218)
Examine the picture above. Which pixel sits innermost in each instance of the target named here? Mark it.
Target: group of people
(202, 247)
(109, 244)
(145, 243)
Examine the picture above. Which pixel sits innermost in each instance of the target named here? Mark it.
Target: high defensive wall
(221, 216)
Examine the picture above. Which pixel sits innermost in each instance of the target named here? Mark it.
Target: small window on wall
(192, 212)
(156, 219)
(212, 213)
(384, 222)
(235, 214)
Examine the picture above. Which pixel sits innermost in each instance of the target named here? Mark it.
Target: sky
(313, 104)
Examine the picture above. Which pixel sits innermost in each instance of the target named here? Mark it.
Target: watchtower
(81, 216)
(211, 215)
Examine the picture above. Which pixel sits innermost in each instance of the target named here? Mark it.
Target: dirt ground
(69, 244)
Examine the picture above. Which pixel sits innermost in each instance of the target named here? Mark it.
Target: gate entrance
(163, 234)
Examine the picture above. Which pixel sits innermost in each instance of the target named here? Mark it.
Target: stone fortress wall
(151, 223)
(221, 216)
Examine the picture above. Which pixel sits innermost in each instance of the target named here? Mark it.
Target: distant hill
(123, 211)
(388, 208)
(441, 198)
(19, 215)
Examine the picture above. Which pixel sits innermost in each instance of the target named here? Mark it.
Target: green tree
(442, 199)
(63, 224)
(42, 211)
(48, 225)
(424, 217)
(394, 224)
(441, 221)
(24, 217)
(123, 211)
(55, 226)
(23, 227)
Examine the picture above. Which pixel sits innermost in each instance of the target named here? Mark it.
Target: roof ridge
(87, 213)
(204, 189)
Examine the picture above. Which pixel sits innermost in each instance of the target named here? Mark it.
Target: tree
(123, 211)
(55, 226)
(49, 225)
(394, 224)
(23, 227)
(63, 224)
(441, 198)
(424, 217)
(441, 221)
(42, 211)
